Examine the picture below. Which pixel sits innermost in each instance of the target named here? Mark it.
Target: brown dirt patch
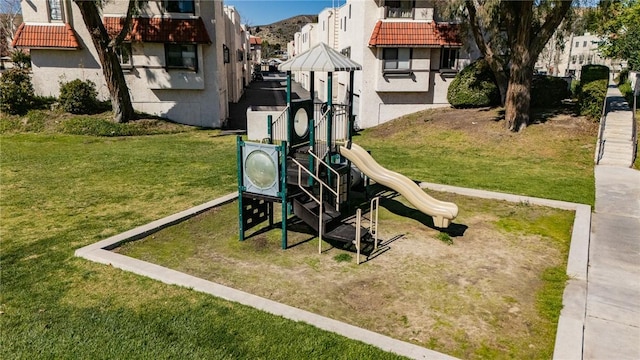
(472, 297)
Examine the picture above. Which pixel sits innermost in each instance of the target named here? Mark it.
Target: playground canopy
(320, 58)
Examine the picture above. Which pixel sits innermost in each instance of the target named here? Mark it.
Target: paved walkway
(612, 323)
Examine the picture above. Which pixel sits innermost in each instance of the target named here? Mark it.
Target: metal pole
(289, 113)
(329, 121)
(350, 112)
(283, 191)
(312, 86)
(270, 128)
(239, 146)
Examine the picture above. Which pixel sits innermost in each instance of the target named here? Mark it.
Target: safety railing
(278, 129)
(373, 226)
(601, 139)
(320, 134)
(320, 198)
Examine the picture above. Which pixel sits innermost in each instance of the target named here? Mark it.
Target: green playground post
(289, 113)
(270, 128)
(283, 191)
(240, 144)
(329, 121)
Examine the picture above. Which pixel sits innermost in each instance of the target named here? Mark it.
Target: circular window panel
(260, 169)
(301, 122)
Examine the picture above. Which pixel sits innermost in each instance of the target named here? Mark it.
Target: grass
(59, 192)
(539, 162)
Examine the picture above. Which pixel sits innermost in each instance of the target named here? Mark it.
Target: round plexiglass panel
(260, 169)
(300, 122)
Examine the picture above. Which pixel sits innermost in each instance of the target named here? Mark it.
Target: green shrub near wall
(79, 97)
(474, 86)
(591, 98)
(548, 91)
(16, 91)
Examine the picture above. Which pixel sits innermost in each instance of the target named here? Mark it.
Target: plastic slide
(441, 211)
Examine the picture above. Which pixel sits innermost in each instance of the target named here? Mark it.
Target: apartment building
(408, 56)
(576, 51)
(173, 58)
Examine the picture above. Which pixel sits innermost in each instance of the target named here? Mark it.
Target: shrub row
(548, 91)
(17, 95)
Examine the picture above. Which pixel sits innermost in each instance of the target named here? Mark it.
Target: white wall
(183, 96)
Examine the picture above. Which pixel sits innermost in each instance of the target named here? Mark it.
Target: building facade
(173, 57)
(408, 57)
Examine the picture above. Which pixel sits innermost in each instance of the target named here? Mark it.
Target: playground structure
(305, 164)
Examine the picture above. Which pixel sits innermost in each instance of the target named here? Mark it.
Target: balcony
(399, 12)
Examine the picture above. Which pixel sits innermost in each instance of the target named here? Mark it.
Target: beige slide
(441, 211)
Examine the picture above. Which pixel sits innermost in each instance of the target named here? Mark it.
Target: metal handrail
(278, 131)
(318, 201)
(634, 128)
(337, 192)
(601, 139)
(373, 224)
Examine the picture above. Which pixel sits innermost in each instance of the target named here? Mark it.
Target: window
(124, 55)
(55, 10)
(240, 55)
(396, 58)
(577, 44)
(448, 58)
(346, 52)
(181, 56)
(180, 6)
(345, 23)
(399, 9)
(584, 44)
(225, 54)
(573, 58)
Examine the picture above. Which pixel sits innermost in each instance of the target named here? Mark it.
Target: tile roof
(254, 40)
(163, 30)
(55, 36)
(414, 34)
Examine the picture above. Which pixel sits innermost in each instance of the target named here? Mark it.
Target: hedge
(591, 98)
(548, 91)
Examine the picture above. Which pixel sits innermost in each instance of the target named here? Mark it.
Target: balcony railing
(399, 13)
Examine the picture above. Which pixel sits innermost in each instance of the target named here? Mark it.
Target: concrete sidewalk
(612, 322)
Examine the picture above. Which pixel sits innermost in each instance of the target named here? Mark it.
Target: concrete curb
(568, 339)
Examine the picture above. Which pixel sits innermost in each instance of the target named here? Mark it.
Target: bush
(16, 91)
(548, 91)
(21, 59)
(474, 86)
(592, 72)
(627, 92)
(591, 98)
(78, 97)
(623, 76)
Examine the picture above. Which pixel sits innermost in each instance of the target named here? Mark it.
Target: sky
(264, 12)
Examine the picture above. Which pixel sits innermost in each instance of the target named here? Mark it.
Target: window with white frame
(399, 8)
(448, 58)
(180, 6)
(181, 56)
(124, 55)
(396, 59)
(55, 10)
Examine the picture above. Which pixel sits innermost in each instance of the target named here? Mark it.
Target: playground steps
(332, 228)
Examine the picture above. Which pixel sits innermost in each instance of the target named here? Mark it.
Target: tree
(107, 54)
(510, 35)
(10, 19)
(618, 21)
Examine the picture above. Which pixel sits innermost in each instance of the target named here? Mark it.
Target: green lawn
(61, 192)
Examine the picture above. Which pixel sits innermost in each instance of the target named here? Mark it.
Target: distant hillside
(281, 32)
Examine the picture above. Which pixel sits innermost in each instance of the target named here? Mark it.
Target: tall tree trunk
(113, 75)
(519, 17)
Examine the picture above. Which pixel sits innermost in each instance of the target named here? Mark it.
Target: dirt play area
(488, 287)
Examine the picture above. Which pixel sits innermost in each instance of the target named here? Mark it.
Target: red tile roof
(254, 40)
(55, 36)
(414, 34)
(164, 30)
